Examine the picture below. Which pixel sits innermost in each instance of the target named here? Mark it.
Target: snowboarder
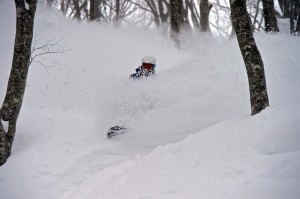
(147, 68)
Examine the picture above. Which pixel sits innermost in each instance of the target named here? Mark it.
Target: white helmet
(149, 59)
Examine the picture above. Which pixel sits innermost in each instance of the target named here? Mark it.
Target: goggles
(147, 67)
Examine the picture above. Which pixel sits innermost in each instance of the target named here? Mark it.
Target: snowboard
(115, 131)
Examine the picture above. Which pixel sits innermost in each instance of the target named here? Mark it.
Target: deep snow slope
(191, 134)
(256, 157)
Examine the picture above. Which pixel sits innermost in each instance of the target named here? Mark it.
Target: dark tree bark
(190, 5)
(117, 11)
(269, 16)
(159, 10)
(294, 15)
(176, 19)
(284, 6)
(77, 9)
(94, 10)
(25, 13)
(204, 14)
(163, 15)
(154, 11)
(253, 61)
(186, 15)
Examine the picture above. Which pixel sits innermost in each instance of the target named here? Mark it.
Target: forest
(194, 14)
(219, 119)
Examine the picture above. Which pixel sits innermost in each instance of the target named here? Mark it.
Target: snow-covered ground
(191, 133)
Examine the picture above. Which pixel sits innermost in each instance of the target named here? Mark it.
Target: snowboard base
(115, 131)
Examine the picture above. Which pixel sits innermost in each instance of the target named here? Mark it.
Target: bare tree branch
(41, 47)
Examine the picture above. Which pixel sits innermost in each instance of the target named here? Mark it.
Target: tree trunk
(284, 6)
(77, 9)
(253, 62)
(294, 14)
(204, 14)
(117, 20)
(94, 10)
(161, 7)
(151, 4)
(176, 19)
(269, 16)
(25, 12)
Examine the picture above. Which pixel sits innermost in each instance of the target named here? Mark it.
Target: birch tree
(252, 58)
(25, 13)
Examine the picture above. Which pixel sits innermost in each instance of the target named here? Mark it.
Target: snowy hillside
(191, 134)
